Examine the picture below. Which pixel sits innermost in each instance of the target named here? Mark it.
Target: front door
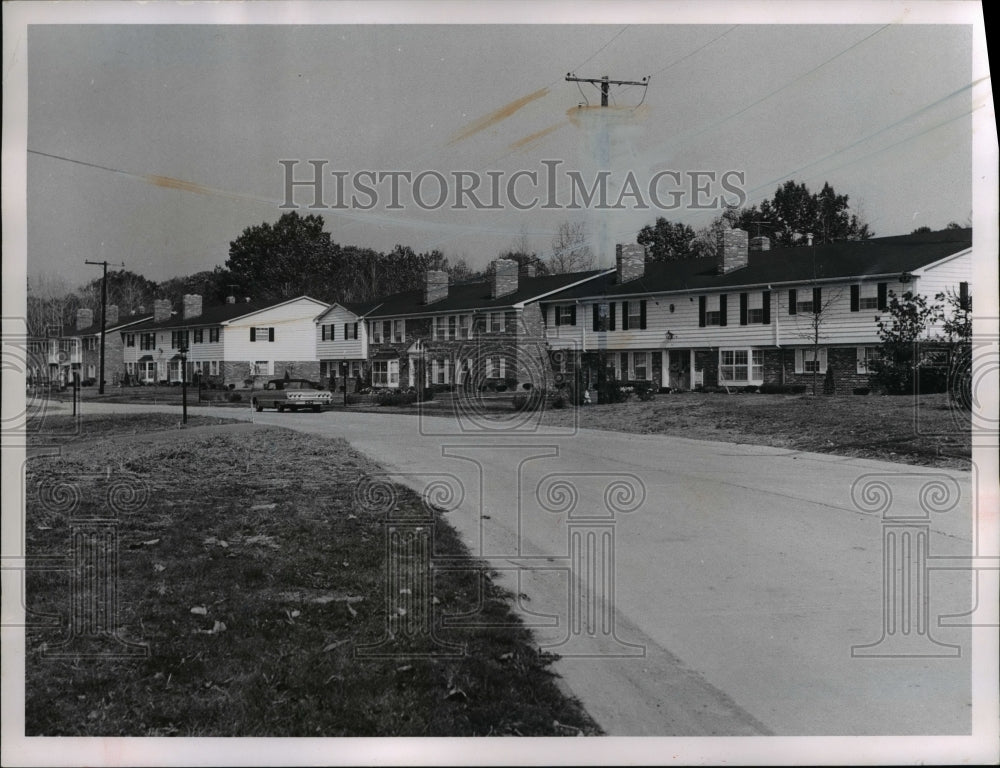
(680, 370)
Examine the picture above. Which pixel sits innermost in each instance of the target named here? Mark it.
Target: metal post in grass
(182, 350)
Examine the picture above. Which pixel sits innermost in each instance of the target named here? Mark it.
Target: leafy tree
(920, 230)
(957, 327)
(908, 320)
(667, 241)
(289, 258)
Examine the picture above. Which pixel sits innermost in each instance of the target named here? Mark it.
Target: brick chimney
(504, 278)
(760, 243)
(192, 305)
(528, 270)
(161, 310)
(630, 261)
(731, 250)
(435, 285)
(84, 318)
(111, 316)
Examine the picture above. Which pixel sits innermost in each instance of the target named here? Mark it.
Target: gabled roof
(69, 330)
(218, 314)
(465, 297)
(857, 259)
(360, 309)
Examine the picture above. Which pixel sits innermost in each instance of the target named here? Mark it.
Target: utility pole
(104, 305)
(605, 84)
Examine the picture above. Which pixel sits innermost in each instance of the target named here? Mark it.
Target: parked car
(292, 394)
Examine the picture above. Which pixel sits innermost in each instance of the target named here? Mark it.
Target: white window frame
(496, 322)
(867, 297)
(464, 327)
(398, 330)
(263, 367)
(261, 334)
(634, 315)
(380, 373)
(803, 355)
(636, 357)
(865, 354)
(752, 367)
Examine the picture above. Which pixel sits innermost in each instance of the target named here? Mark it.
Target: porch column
(665, 368)
(691, 372)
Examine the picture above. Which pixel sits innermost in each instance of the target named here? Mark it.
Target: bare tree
(571, 251)
(48, 302)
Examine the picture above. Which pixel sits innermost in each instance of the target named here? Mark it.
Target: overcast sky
(882, 113)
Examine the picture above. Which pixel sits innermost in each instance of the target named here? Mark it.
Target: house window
(130, 340)
(213, 335)
(199, 336)
(713, 318)
(261, 334)
(640, 364)
(213, 368)
(178, 339)
(350, 331)
(376, 331)
(865, 356)
(438, 332)
(385, 373)
(452, 325)
(565, 314)
(807, 361)
(465, 327)
(386, 330)
(755, 315)
(803, 307)
(737, 365)
(261, 368)
(634, 314)
(441, 367)
(733, 365)
(327, 332)
(868, 302)
(495, 367)
(496, 322)
(397, 330)
(510, 322)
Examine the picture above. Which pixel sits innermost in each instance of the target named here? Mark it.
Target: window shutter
(253, 334)
(701, 311)
(744, 302)
(963, 296)
(722, 309)
(883, 295)
(855, 298)
(767, 307)
(503, 365)
(642, 315)
(557, 314)
(572, 312)
(625, 371)
(545, 315)
(624, 315)
(611, 316)
(345, 330)
(817, 300)
(355, 330)
(323, 333)
(798, 361)
(597, 317)
(792, 297)
(333, 332)
(270, 334)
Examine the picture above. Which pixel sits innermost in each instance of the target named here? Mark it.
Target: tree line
(297, 256)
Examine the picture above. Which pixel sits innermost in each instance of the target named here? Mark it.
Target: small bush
(232, 386)
(665, 390)
(782, 389)
(527, 385)
(559, 402)
(861, 390)
(396, 398)
(529, 402)
(750, 389)
(235, 397)
(644, 390)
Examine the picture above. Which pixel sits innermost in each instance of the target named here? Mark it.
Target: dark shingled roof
(858, 258)
(69, 330)
(213, 315)
(469, 296)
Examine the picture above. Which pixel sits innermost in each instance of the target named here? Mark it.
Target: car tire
(317, 409)
(280, 407)
(257, 406)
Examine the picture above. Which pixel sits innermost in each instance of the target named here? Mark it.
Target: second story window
(452, 325)
(496, 322)
(465, 327)
(213, 335)
(604, 317)
(261, 334)
(199, 335)
(129, 339)
(397, 330)
(178, 339)
(147, 341)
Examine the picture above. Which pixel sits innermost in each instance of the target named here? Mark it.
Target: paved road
(741, 577)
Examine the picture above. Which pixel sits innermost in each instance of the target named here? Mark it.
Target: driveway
(695, 588)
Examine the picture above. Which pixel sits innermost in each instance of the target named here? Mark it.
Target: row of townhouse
(745, 317)
(749, 315)
(62, 351)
